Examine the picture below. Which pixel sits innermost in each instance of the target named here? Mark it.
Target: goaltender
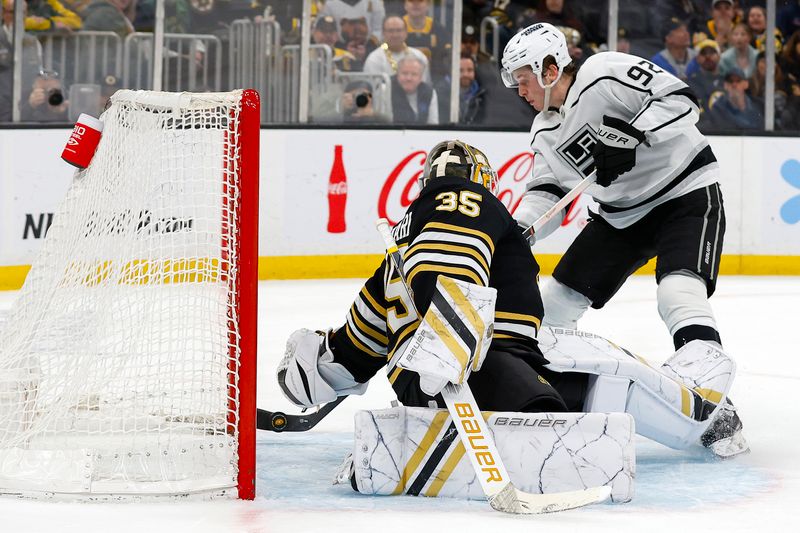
(458, 230)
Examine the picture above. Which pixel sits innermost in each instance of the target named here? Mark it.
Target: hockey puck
(278, 421)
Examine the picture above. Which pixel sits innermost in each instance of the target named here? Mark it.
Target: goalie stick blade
(279, 422)
(511, 500)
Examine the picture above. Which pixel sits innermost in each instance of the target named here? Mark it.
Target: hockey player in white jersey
(657, 183)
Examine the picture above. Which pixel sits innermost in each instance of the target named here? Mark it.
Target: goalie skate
(724, 437)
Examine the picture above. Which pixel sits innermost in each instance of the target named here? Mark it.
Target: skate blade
(730, 447)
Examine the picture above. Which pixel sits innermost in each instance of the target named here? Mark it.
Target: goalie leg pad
(416, 451)
(563, 307)
(672, 405)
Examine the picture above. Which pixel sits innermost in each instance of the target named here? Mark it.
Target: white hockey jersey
(674, 160)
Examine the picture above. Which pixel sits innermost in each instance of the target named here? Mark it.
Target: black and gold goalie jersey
(455, 228)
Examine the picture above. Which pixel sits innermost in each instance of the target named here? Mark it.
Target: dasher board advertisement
(337, 184)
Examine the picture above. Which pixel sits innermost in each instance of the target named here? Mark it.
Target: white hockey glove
(454, 336)
(307, 374)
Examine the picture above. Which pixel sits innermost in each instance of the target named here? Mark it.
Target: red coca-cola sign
(401, 186)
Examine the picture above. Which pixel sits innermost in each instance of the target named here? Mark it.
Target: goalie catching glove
(615, 151)
(454, 336)
(308, 376)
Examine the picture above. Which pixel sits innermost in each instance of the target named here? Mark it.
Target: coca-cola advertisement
(333, 197)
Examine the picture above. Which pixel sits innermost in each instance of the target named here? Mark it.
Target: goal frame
(247, 297)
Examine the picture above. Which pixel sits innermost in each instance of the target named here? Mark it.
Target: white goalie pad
(454, 336)
(416, 451)
(672, 405)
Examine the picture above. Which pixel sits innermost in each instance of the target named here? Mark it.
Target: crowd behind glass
(384, 61)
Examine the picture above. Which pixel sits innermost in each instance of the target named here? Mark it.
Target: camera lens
(362, 100)
(55, 97)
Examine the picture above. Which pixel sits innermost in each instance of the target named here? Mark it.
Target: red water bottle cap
(83, 141)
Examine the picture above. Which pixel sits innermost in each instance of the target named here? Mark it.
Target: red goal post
(128, 362)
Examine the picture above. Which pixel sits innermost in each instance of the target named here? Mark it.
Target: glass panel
(390, 62)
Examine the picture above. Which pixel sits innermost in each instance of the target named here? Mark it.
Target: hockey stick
(279, 422)
(561, 204)
(478, 441)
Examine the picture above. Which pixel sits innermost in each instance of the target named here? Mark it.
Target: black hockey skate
(724, 436)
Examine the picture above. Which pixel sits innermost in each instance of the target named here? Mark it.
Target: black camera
(362, 100)
(55, 97)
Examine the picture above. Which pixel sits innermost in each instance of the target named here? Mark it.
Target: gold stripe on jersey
(358, 344)
(367, 329)
(379, 309)
(460, 229)
(518, 317)
(422, 450)
(441, 247)
(447, 469)
(459, 271)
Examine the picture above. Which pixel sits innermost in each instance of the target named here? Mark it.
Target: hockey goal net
(127, 365)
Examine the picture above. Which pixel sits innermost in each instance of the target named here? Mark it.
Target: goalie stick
(278, 422)
(478, 441)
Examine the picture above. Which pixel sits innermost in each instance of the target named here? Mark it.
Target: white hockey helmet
(529, 47)
(458, 159)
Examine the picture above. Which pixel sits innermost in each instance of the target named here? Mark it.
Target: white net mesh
(118, 362)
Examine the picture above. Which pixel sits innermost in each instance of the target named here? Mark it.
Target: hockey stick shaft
(477, 440)
(562, 203)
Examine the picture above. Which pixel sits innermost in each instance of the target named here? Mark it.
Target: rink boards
(760, 179)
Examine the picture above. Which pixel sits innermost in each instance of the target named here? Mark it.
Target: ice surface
(674, 490)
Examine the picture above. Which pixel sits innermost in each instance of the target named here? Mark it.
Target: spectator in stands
(735, 109)
(720, 26)
(357, 104)
(506, 13)
(704, 77)
(50, 15)
(558, 14)
(788, 19)
(677, 54)
(357, 40)
(46, 101)
(373, 11)
(472, 105)
(757, 22)
(386, 58)
(326, 32)
(110, 15)
(790, 59)
(758, 86)
(413, 100)
(578, 50)
(7, 61)
(427, 36)
(740, 54)
(177, 16)
(31, 52)
(693, 12)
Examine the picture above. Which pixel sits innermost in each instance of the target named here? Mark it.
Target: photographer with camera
(46, 102)
(356, 104)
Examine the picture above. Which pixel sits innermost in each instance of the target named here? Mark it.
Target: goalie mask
(460, 160)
